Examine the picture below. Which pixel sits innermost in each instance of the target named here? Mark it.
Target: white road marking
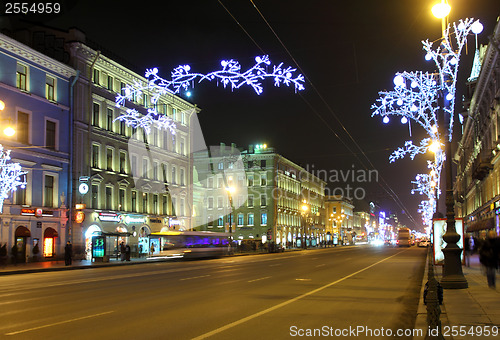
(262, 278)
(227, 282)
(58, 323)
(302, 279)
(285, 303)
(194, 277)
(274, 265)
(320, 265)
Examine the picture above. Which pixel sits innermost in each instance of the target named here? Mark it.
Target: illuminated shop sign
(109, 217)
(174, 222)
(79, 216)
(134, 219)
(36, 212)
(28, 212)
(98, 246)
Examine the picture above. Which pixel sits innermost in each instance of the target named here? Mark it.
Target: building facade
(135, 182)
(477, 187)
(257, 194)
(36, 92)
(340, 212)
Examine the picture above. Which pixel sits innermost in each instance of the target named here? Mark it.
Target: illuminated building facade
(267, 196)
(477, 189)
(136, 182)
(35, 89)
(340, 212)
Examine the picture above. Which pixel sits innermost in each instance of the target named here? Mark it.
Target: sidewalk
(476, 306)
(51, 266)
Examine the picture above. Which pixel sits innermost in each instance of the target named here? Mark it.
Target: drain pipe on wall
(71, 152)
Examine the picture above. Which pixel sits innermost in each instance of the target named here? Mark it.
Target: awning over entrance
(488, 223)
(50, 233)
(22, 232)
(126, 234)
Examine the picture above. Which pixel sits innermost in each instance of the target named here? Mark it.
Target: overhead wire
(387, 188)
(391, 193)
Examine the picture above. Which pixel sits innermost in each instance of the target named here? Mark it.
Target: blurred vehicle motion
(188, 244)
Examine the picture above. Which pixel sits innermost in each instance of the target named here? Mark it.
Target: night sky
(347, 52)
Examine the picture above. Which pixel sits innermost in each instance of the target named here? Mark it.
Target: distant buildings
(273, 199)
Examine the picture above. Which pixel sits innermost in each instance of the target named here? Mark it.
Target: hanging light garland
(230, 75)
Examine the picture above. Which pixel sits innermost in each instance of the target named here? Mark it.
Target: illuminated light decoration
(10, 176)
(230, 75)
(404, 120)
(419, 103)
(136, 120)
(477, 27)
(447, 60)
(385, 120)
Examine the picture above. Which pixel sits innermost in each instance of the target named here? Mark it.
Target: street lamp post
(304, 214)
(453, 276)
(230, 190)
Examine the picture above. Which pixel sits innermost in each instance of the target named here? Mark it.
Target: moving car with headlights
(424, 243)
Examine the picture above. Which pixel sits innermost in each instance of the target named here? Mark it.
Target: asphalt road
(271, 296)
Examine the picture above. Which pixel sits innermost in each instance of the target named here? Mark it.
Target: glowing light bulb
(428, 56)
(400, 102)
(449, 96)
(476, 27)
(399, 80)
(404, 120)
(385, 120)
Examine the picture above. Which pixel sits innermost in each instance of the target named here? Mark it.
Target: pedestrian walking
(3, 255)
(127, 252)
(488, 256)
(467, 250)
(14, 254)
(68, 254)
(122, 251)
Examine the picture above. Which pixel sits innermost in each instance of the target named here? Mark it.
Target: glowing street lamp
(230, 191)
(9, 131)
(441, 10)
(305, 212)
